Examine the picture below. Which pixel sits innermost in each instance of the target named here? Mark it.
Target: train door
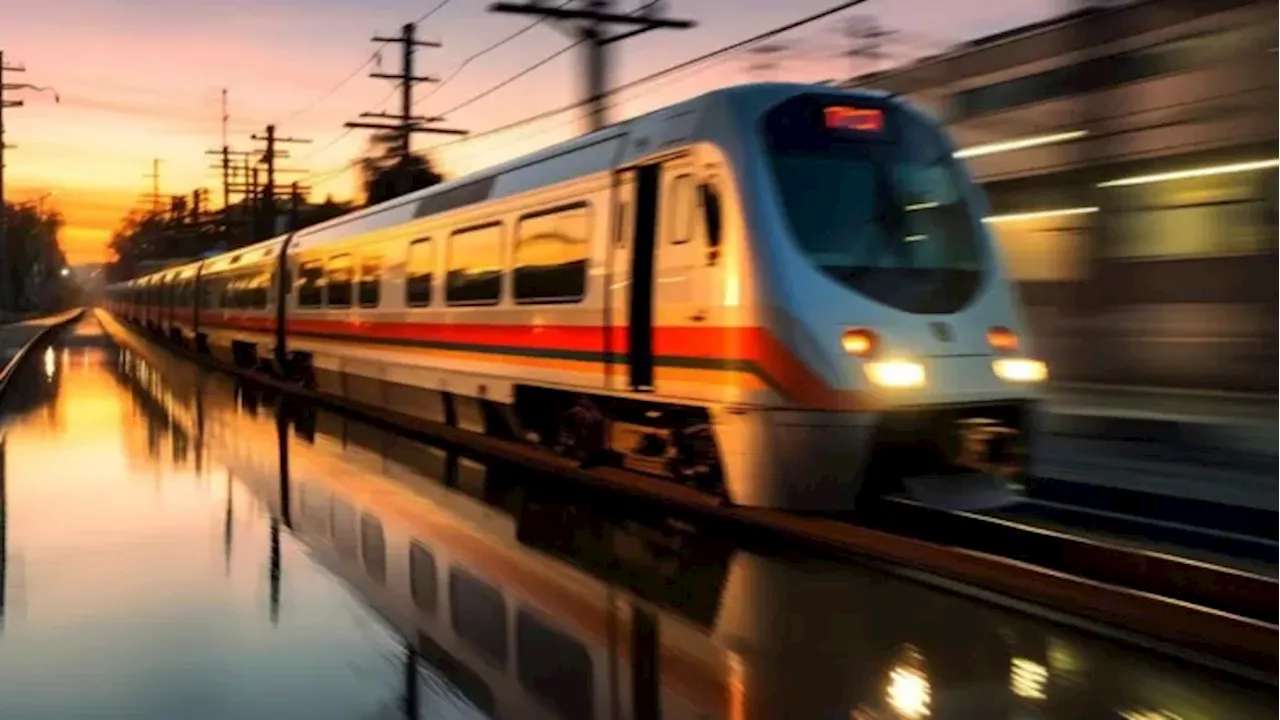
(667, 279)
(631, 289)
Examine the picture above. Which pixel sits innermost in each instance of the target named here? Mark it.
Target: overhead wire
(476, 56)
(840, 7)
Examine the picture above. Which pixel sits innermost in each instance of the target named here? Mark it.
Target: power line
(486, 93)
(440, 6)
(472, 58)
(662, 73)
(329, 93)
(593, 34)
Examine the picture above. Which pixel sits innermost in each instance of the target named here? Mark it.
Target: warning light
(842, 117)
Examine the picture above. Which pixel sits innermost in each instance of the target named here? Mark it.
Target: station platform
(1215, 447)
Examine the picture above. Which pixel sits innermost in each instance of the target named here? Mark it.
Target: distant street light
(66, 272)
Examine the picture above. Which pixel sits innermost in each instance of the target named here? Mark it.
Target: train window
(475, 266)
(211, 294)
(344, 531)
(422, 577)
(338, 279)
(373, 548)
(479, 615)
(551, 251)
(440, 665)
(261, 284)
(554, 666)
(680, 215)
(417, 273)
(370, 281)
(311, 284)
(709, 202)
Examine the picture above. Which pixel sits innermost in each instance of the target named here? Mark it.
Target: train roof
(599, 151)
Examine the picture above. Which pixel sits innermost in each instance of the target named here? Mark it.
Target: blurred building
(1129, 154)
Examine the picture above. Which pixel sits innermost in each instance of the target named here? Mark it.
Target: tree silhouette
(386, 174)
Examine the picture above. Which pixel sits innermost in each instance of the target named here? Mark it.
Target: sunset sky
(141, 79)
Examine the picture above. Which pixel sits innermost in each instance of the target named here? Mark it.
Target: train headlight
(1020, 370)
(858, 342)
(895, 373)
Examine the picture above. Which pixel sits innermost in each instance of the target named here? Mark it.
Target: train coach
(775, 292)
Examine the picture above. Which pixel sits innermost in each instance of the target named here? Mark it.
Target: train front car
(876, 275)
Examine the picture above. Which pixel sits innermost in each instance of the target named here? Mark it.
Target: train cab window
(551, 252)
(555, 666)
(418, 267)
(475, 266)
(311, 284)
(373, 548)
(370, 281)
(680, 213)
(338, 279)
(479, 615)
(422, 577)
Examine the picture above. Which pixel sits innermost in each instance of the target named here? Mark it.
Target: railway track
(1198, 612)
(1217, 529)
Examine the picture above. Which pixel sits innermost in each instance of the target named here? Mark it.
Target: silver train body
(775, 292)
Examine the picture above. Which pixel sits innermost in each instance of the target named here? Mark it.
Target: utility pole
(154, 176)
(406, 123)
(295, 202)
(5, 275)
(269, 157)
(594, 34)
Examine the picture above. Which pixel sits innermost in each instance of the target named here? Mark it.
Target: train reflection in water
(517, 599)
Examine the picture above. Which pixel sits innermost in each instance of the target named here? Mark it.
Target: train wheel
(581, 434)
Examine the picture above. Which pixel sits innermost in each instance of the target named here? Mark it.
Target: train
(781, 294)
(517, 599)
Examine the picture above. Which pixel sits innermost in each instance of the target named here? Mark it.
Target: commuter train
(532, 603)
(773, 292)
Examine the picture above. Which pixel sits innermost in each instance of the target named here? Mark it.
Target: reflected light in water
(1149, 715)
(908, 692)
(50, 362)
(1027, 678)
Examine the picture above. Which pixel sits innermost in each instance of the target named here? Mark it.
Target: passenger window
(311, 284)
(338, 280)
(475, 266)
(370, 282)
(422, 577)
(344, 531)
(680, 215)
(373, 548)
(479, 615)
(551, 252)
(417, 273)
(555, 666)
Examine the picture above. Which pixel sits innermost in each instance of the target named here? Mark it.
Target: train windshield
(875, 199)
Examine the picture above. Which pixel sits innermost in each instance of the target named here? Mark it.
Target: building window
(311, 284)
(370, 281)
(475, 266)
(338, 275)
(417, 273)
(551, 254)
